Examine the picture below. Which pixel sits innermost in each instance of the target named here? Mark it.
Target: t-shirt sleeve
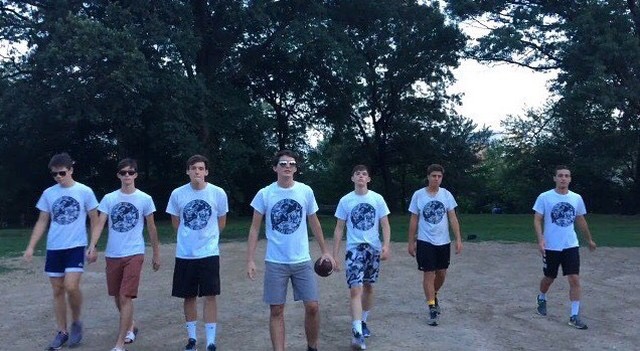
(104, 205)
(172, 206)
(312, 205)
(341, 212)
(258, 202)
(150, 206)
(43, 204)
(538, 206)
(223, 203)
(451, 202)
(383, 209)
(90, 200)
(413, 205)
(581, 209)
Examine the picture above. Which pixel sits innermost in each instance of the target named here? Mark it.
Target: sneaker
(575, 322)
(58, 341)
(75, 335)
(433, 316)
(542, 306)
(211, 347)
(357, 341)
(191, 345)
(365, 331)
(309, 348)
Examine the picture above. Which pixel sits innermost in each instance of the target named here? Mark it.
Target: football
(323, 268)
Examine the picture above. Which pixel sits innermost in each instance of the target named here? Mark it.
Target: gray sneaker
(75, 334)
(433, 316)
(58, 341)
(542, 306)
(357, 341)
(575, 322)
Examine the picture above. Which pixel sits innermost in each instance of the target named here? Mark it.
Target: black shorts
(569, 259)
(196, 277)
(432, 257)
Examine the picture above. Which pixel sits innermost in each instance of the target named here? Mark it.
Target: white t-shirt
(362, 214)
(127, 213)
(198, 210)
(559, 212)
(433, 222)
(285, 211)
(67, 207)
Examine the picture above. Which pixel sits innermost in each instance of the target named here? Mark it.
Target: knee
(356, 292)
(277, 311)
(312, 308)
(574, 281)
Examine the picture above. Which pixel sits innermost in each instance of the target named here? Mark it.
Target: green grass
(607, 230)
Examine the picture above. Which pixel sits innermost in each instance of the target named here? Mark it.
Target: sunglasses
(124, 173)
(60, 173)
(287, 163)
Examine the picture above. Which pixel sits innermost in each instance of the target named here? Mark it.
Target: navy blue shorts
(59, 262)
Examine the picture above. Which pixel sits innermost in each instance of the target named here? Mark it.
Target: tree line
(238, 80)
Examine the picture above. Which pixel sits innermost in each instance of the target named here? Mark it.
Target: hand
(155, 262)
(338, 266)
(592, 245)
(327, 257)
(251, 270)
(458, 247)
(386, 252)
(92, 254)
(411, 248)
(28, 255)
(541, 247)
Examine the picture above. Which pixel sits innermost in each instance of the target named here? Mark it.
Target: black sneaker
(191, 345)
(433, 316)
(365, 330)
(542, 306)
(575, 322)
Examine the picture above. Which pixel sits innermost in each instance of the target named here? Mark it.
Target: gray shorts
(276, 282)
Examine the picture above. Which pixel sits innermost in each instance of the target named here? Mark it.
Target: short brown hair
(276, 157)
(435, 168)
(61, 160)
(127, 162)
(360, 168)
(197, 158)
(561, 167)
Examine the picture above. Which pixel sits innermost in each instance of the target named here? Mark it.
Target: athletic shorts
(569, 259)
(276, 282)
(59, 262)
(123, 275)
(433, 257)
(196, 277)
(362, 265)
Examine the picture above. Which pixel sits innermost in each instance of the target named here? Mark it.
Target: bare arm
(38, 230)
(337, 240)
(584, 228)
(413, 229)
(153, 238)
(96, 232)
(252, 243)
(175, 222)
(455, 227)
(386, 238)
(222, 222)
(316, 229)
(537, 226)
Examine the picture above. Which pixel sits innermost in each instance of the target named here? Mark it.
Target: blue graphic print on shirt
(65, 210)
(433, 212)
(363, 216)
(124, 217)
(196, 214)
(563, 214)
(286, 216)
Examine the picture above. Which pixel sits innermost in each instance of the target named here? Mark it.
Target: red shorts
(123, 275)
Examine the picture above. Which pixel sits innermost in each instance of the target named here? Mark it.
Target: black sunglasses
(287, 163)
(124, 173)
(60, 173)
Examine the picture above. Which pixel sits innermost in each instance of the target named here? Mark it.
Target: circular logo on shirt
(286, 216)
(65, 210)
(124, 217)
(363, 216)
(196, 214)
(433, 212)
(563, 214)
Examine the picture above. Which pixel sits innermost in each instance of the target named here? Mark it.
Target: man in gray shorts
(287, 205)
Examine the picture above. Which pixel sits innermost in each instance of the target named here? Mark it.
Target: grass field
(607, 230)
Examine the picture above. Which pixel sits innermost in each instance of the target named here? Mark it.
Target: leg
(356, 302)
(74, 294)
(439, 280)
(59, 302)
(125, 305)
(428, 285)
(574, 287)
(367, 297)
(210, 309)
(545, 284)
(190, 309)
(312, 322)
(276, 327)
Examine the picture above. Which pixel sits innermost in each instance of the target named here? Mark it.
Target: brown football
(323, 268)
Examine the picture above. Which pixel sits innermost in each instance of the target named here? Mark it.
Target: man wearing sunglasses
(126, 210)
(287, 205)
(64, 208)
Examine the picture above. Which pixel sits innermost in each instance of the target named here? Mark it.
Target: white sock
(365, 314)
(575, 308)
(357, 326)
(210, 329)
(191, 329)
